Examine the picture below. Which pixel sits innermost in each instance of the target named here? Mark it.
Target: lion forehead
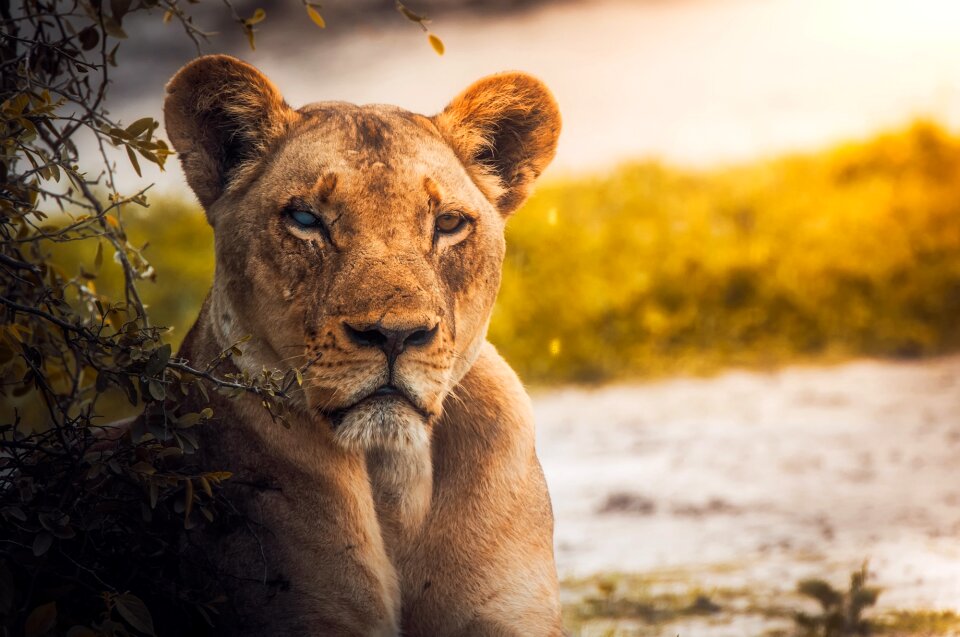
(375, 151)
(368, 134)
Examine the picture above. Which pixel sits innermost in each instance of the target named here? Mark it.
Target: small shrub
(841, 612)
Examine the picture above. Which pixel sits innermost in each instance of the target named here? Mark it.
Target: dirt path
(759, 479)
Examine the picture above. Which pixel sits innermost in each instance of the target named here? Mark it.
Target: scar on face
(326, 184)
(434, 194)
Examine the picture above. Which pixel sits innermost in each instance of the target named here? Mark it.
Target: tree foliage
(92, 513)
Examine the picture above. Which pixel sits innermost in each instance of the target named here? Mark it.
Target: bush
(841, 612)
(651, 270)
(92, 516)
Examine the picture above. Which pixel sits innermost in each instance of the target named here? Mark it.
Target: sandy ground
(760, 479)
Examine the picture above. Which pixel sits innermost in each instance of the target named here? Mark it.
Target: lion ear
(221, 115)
(504, 128)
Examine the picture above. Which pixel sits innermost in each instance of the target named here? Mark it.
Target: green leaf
(158, 360)
(42, 543)
(187, 440)
(142, 124)
(157, 390)
(410, 15)
(135, 612)
(127, 386)
(119, 9)
(203, 391)
(316, 17)
(16, 513)
(188, 420)
(170, 452)
(89, 38)
(133, 160)
(112, 27)
(41, 620)
(436, 43)
(112, 56)
(144, 467)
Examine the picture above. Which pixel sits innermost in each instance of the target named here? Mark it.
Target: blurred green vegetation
(652, 270)
(174, 236)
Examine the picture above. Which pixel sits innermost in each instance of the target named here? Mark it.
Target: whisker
(327, 404)
(455, 396)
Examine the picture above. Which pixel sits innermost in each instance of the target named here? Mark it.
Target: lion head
(364, 243)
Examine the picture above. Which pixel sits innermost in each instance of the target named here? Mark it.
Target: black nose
(391, 341)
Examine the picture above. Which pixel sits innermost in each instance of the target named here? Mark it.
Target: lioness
(405, 497)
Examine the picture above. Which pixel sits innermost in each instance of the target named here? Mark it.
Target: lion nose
(391, 341)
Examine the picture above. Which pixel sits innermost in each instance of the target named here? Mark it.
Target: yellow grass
(652, 270)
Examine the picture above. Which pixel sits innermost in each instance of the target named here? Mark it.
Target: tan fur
(424, 512)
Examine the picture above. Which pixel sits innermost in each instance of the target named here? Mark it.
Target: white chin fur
(389, 424)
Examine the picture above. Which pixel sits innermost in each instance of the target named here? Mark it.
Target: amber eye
(450, 222)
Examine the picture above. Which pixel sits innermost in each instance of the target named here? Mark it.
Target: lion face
(373, 256)
(362, 243)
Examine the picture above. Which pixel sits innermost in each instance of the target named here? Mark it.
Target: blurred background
(734, 296)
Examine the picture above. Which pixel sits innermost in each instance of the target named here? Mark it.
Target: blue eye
(304, 218)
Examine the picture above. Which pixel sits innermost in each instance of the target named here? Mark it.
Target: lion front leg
(484, 564)
(307, 557)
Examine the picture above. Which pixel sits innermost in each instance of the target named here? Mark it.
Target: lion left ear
(221, 116)
(505, 129)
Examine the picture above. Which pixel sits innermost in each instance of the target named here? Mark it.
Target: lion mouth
(385, 393)
(388, 390)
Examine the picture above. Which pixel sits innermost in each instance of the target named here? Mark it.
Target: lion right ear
(221, 115)
(505, 129)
